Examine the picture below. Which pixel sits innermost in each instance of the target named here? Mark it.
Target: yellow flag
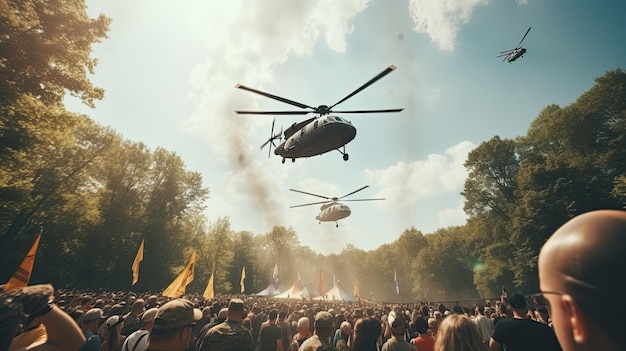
(178, 286)
(22, 275)
(243, 276)
(138, 258)
(356, 286)
(208, 292)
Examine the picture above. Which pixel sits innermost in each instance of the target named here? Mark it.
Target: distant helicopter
(514, 54)
(319, 134)
(331, 209)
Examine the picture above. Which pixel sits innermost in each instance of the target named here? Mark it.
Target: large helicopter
(317, 135)
(514, 54)
(332, 210)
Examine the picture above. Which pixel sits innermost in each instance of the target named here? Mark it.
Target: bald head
(580, 273)
(582, 255)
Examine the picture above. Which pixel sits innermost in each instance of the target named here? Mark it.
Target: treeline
(97, 195)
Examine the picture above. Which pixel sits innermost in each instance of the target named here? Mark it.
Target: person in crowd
(228, 335)
(35, 302)
(113, 338)
(304, 332)
(484, 323)
(89, 326)
(345, 329)
(285, 328)
(366, 335)
(322, 330)
(457, 332)
(424, 340)
(433, 326)
(132, 321)
(270, 334)
(521, 333)
(578, 274)
(398, 326)
(138, 340)
(173, 326)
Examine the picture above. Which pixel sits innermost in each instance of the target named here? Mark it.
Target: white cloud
(441, 19)
(409, 183)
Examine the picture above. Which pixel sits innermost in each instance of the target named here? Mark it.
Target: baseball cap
(92, 314)
(149, 315)
(176, 314)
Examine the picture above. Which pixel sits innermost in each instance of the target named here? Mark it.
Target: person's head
(235, 309)
(396, 323)
(517, 303)
(304, 325)
(273, 315)
(345, 328)
(247, 323)
(91, 319)
(575, 277)
(173, 325)
(147, 318)
(323, 324)
(365, 334)
(138, 307)
(458, 332)
(114, 324)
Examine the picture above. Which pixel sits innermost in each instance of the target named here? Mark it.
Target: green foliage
(45, 50)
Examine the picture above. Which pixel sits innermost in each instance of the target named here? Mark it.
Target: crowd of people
(575, 267)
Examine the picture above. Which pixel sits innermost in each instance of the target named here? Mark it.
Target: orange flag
(22, 275)
(209, 292)
(178, 286)
(138, 258)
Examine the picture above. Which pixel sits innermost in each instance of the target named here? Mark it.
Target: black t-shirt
(525, 334)
(268, 334)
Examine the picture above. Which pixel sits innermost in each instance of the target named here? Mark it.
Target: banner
(177, 287)
(320, 283)
(275, 277)
(395, 282)
(209, 293)
(138, 258)
(243, 276)
(22, 275)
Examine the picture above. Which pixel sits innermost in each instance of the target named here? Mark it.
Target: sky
(169, 71)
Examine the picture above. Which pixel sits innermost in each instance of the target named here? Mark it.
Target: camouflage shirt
(315, 343)
(229, 335)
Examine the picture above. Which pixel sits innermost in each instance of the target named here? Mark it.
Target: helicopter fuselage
(319, 136)
(515, 54)
(332, 212)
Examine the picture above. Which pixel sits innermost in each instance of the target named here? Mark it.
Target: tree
(491, 184)
(45, 50)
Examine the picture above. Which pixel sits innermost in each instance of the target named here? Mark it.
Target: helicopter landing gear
(283, 160)
(293, 160)
(336, 224)
(345, 155)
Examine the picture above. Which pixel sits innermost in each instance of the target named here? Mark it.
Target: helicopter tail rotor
(272, 138)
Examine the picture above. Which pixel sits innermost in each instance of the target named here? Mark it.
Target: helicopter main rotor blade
(239, 112)
(507, 51)
(370, 82)
(363, 199)
(371, 111)
(304, 192)
(281, 99)
(309, 204)
(356, 191)
(524, 37)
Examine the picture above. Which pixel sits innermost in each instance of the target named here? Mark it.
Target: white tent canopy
(337, 293)
(297, 292)
(271, 290)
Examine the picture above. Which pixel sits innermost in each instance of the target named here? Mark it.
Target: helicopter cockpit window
(315, 124)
